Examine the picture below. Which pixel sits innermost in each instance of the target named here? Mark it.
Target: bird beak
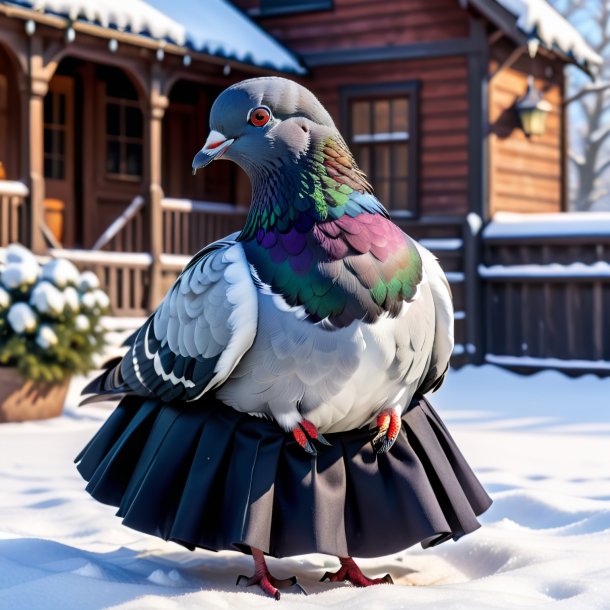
(215, 146)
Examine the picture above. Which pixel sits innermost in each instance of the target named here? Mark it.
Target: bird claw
(350, 572)
(305, 433)
(388, 424)
(269, 584)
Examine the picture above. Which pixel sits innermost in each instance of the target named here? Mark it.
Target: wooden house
(103, 106)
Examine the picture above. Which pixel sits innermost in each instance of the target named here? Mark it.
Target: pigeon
(319, 318)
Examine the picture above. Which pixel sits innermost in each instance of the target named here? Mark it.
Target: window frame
(387, 91)
(122, 139)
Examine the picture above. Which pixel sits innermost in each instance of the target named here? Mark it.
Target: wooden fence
(546, 295)
(13, 212)
(190, 225)
(124, 276)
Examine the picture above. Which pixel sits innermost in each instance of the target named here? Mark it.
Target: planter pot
(22, 400)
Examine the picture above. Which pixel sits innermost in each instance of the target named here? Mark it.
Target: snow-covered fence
(13, 211)
(125, 277)
(546, 281)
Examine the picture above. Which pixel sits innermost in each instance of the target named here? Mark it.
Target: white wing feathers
(201, 330)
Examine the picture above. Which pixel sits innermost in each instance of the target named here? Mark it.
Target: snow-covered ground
(540, 444)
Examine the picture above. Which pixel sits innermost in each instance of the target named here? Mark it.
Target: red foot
(304, 433)
(351, 572)
(388, 422)
(264, 579)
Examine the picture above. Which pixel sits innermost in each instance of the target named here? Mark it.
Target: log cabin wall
(442, 168)
(525, 174)
(353, 24)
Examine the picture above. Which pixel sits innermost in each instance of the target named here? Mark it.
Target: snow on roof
(509, 224)
(213, 27)
(537, 20)
(540, 19)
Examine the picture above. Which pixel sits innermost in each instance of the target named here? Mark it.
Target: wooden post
(38, 89)
(158, 103)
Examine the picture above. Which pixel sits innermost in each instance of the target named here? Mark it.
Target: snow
(214, 27)
(537, 19)
(539, 444)
(597, 270)
(563, 224)
(12, 187)
(442, 243)
(555, 363)
(454, 277)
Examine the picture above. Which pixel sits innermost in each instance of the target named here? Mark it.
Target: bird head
(262, 122)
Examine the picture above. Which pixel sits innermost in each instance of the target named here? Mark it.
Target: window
(280, 7)
(124, 137)
(55, 135)
(381, 130)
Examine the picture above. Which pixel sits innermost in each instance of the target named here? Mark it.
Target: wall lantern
(532, 110)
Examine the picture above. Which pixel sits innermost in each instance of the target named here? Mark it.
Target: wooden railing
(124, 276)
(13, 212)
(126, 233)
(190, 225)
(547, 294)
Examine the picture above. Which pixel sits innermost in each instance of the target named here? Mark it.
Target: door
(59, 159)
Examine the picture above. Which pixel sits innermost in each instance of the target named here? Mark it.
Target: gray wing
(199, 333)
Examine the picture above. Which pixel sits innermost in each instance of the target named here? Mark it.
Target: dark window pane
(133, 122)
(61, 99)
(48, 140)
(401, 160)
(361, 121)
(48, 107)
(60, 142)
(363, 158)
(113, 158)
(48, 167)
(134, 159)
(382, 161)
(113, 123)
(400, 114)
(382, 189)
(58, 169)
(382, 116)
(400, 197)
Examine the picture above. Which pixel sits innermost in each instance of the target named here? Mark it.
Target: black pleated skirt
(204, 475)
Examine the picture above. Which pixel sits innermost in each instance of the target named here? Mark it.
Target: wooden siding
(525, 175)
(443, 121)
(362, 23)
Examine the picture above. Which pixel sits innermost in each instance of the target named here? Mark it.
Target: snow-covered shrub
(49, 316)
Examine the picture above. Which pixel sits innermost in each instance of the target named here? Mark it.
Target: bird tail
(109, 383)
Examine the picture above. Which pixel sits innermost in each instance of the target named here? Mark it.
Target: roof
(213, 27)
(536, 21)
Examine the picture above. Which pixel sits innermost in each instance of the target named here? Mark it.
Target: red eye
(259, 116)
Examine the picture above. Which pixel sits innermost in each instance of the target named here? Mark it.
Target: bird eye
(259, 116)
